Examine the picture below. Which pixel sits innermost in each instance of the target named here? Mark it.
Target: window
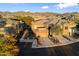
(66, 28)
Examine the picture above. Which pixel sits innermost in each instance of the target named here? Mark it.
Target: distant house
(10, 30)
(7, 31)
(2, 23)
(10, 23)
(7, 27)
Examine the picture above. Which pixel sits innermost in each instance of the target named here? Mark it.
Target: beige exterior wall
(42, 33)
(67, 28)
(40, 29)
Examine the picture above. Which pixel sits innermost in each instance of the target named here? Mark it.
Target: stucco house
(39, 28)
(68, 28)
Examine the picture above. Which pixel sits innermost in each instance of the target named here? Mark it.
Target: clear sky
(40, 7)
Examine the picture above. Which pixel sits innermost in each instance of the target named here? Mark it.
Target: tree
(28, 20)
(49, 29)
(56, 30)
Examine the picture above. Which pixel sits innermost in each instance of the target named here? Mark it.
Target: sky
(40, 7)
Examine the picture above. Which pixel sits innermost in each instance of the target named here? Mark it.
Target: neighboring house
(68, 28)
